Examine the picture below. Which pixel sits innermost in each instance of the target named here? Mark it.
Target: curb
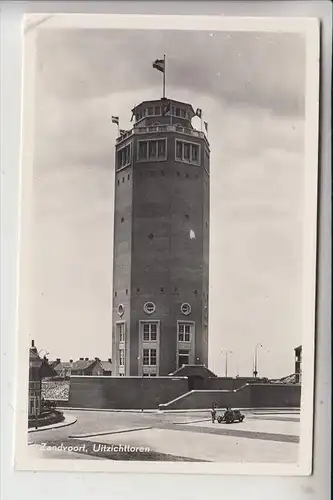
(110, 410)
(65, 423)
(200, 410)
(106, 433)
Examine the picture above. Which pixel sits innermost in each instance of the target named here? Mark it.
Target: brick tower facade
(161, 242)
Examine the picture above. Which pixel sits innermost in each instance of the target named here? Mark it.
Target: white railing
(161, 128)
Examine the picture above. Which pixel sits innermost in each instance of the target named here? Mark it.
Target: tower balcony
(162, 128)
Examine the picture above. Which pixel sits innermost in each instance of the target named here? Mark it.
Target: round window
(149, 307)
(121, 310)
(185, 309)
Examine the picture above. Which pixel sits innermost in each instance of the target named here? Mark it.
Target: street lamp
(226, 352)
(255, 370)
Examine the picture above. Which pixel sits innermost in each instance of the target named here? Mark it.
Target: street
(189, 436)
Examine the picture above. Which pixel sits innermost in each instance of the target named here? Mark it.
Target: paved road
(169, 437)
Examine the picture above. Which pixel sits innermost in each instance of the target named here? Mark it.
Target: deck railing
(160, 129)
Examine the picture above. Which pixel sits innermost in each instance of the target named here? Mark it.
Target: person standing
(213, 413)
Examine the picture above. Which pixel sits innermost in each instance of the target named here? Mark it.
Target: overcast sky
(251, 89)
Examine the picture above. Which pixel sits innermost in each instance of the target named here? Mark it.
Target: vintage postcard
(168, 244)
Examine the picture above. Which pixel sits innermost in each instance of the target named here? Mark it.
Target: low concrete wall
(248, 396)
(272, 395)
(123, 392)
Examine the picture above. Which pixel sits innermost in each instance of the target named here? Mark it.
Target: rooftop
(193, 370)
(164, 100)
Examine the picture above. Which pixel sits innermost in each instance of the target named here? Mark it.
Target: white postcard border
(310, 28)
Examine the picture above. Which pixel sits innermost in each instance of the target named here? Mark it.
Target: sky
(250, 87)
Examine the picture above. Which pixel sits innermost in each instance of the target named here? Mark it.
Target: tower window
(179, 150)
(161, 148)
(162, 290)
(124, 156)
(128, 177)
(143, 149)
(138, 290)
(162, 173)
(126, 291)
(195, 292)
(149, 357)
(187, 152)
(121, 332)
(120, 310)
(183, 112)
(157, 110)
(118, 182)
(152, 150)
(122, 220)
(149, 332)
(121, 357)
(185, 332)
(185, 309)
(151, 236)
(149, 307)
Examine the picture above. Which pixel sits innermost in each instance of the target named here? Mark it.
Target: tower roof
(163, 100)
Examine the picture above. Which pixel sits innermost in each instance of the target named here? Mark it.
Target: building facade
(161, 242)
(39, 368)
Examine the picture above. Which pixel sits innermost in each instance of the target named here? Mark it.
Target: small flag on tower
(206, 126)
(198, 113)
(159, 64)
(115, 119)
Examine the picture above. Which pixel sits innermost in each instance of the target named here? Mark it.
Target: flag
(165, 108)
(206, 126)
(115, 119)
(198, 113)
(159, 64)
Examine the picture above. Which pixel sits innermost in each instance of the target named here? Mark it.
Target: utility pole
(226, 353)
(255, 369)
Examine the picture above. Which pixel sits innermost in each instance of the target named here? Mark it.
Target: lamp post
(255, 369)
(226, 352)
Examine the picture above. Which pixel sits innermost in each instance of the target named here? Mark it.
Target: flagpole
(164, 78)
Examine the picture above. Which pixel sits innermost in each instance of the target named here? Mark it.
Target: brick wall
(248, 396)
(227, 383)
(124, 392)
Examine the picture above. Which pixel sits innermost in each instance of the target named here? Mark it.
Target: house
(83, 366)
(107, 367)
